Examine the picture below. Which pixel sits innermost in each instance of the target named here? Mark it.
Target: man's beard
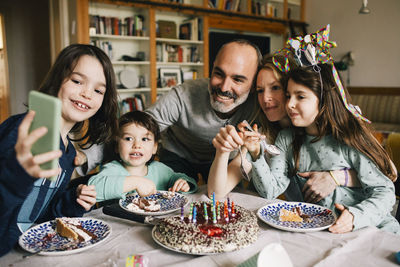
(221, 107)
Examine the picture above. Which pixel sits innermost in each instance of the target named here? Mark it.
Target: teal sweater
(109, 181)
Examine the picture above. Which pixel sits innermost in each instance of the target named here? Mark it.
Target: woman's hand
(251, 139)
(318, 186)
(86, 196)
(145, 187)
(227, 140)
(180, 185)
(345, 222)
(23, 150)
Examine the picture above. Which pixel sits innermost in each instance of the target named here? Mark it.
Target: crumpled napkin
(272, 255)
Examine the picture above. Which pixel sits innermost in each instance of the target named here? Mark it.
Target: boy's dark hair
(334, 118)
(100, 127)
(137, 117)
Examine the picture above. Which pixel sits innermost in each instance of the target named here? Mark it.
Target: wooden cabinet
(144, 54)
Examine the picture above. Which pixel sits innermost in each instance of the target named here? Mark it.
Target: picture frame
(170, 77)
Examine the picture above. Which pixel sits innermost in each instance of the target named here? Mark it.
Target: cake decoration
(198, 233)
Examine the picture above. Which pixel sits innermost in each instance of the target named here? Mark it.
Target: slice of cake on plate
(71, 228)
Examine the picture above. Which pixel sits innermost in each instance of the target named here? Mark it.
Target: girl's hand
(23, 150)
(86, 196)
(180, 185)
(145, 187)
(318, 186)
(345, 222)
(251, 139)
(227, 140)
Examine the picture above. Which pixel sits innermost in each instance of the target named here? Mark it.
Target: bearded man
(192, 113)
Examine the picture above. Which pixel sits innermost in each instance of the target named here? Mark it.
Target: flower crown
(312, 50)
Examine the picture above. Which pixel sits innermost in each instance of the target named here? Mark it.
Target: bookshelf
(237, 16)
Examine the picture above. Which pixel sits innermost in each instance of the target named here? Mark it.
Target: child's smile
(83, 92)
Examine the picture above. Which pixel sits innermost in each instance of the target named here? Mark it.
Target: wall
(373, 38)
(28, 47)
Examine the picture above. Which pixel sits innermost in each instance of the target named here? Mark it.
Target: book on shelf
(128, 26)
(194, 28)
(106, 46)
(177, 53)
(136, 102)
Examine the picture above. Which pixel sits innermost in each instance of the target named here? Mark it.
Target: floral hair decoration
(311, 50)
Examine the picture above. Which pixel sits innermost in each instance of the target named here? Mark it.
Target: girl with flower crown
(327, 136)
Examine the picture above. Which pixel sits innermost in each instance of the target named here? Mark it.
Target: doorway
(4, 88)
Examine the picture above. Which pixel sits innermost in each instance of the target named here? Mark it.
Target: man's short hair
(244, 42)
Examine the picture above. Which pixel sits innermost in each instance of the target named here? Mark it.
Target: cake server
(116, 211)
(271, 149)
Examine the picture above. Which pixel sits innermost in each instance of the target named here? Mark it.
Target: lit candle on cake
(182, 217)
(233, 209)
(205, 212)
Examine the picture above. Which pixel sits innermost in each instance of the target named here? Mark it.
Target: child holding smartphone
(83, 79)
(132, 165)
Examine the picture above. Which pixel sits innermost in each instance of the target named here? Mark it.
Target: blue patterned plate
(167, 205)
(43, 238)
(320, 217)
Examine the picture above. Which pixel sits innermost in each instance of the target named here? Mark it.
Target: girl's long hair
(134, 117)
(101, 126)
(335, 119)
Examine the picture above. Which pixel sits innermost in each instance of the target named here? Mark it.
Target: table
(366, 247)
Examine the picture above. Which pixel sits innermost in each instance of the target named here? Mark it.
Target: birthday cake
(205, 232)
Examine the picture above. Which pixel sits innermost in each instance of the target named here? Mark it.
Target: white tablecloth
(366, 247)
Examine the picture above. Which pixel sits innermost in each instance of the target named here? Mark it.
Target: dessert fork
(271, 149)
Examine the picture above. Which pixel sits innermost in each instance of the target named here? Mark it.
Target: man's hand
(24, 145)
(318, 186)
(345, 222)
(86, 196)
(180, 185)
(227, 140)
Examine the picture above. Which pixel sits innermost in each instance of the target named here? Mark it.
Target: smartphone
(48, 114)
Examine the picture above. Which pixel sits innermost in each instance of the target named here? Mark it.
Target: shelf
(120, 37)
(190, 64)
(133, 90)
(131, 62)
(178, 41)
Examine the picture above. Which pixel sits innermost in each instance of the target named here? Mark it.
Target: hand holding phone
(40, 141)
